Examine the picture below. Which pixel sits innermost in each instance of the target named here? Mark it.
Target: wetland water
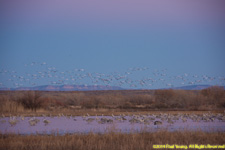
(101, 124)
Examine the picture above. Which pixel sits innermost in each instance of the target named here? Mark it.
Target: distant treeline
(212, 98)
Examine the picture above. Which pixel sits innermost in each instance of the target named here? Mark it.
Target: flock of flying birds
(40, 73)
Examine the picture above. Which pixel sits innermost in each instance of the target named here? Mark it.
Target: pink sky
(122, 11)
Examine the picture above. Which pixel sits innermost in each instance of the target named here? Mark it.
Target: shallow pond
(101, 124)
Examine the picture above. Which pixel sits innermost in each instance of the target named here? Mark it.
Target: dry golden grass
(9, 106)
(109, 141)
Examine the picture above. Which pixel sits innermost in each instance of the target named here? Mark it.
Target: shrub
(163, 96)
(126, 105)
(141, 99)
(92, 102)
(31, 100)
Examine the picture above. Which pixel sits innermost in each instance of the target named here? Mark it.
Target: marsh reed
(108, 141)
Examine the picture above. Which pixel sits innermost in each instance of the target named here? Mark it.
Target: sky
(128, 43)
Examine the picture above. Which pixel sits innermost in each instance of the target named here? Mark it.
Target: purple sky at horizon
(183, 37)
(100, 12)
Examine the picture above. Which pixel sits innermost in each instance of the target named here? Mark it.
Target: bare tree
(31, 100)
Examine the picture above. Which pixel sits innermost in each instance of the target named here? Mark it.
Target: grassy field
(109, 141)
